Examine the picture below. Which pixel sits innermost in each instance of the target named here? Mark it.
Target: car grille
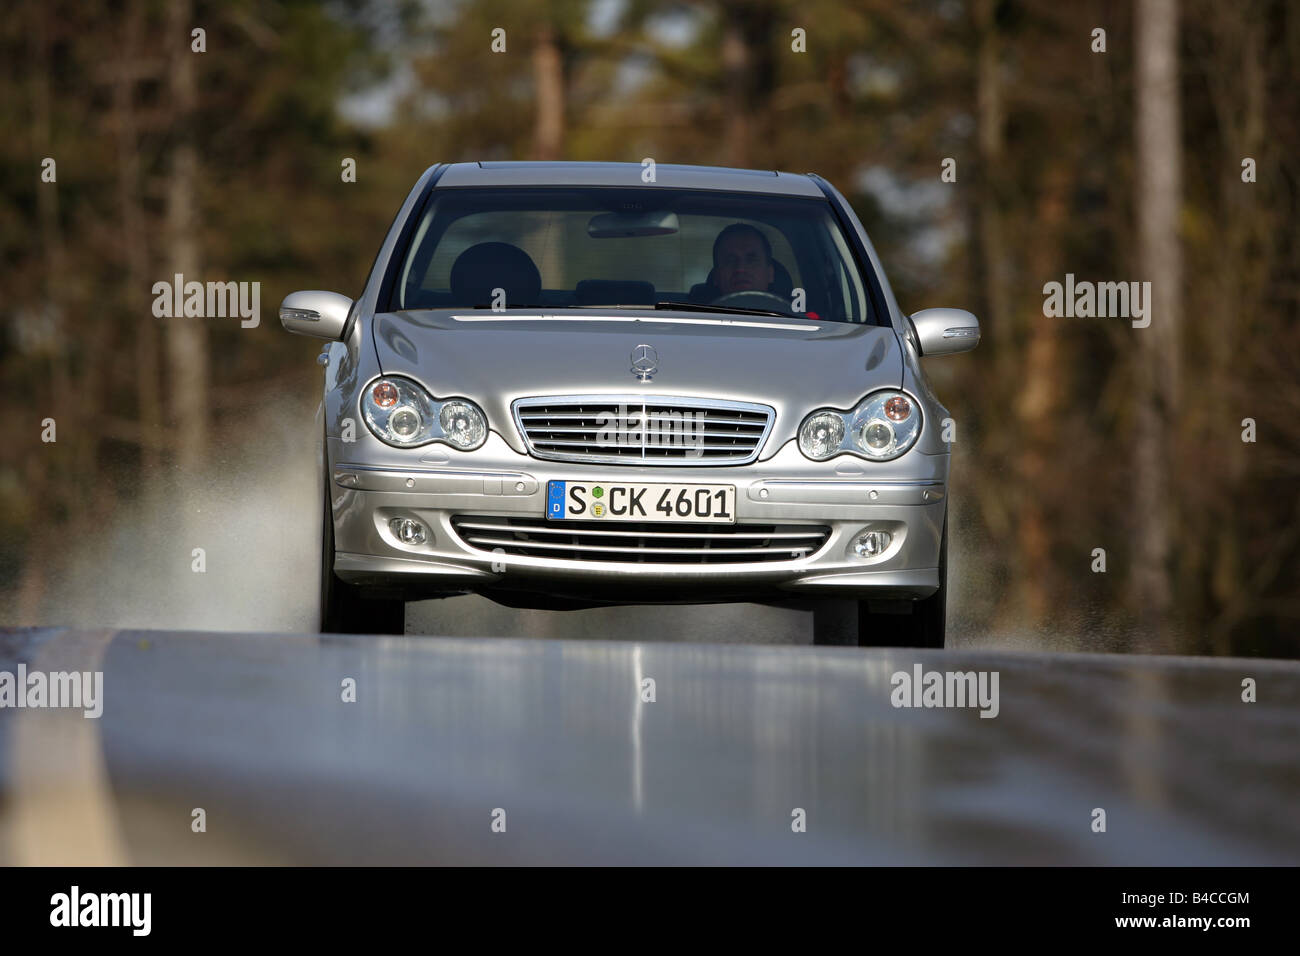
(568, 428)
(640, 542)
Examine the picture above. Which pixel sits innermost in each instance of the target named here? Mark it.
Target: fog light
(408, 531)
(871, 543)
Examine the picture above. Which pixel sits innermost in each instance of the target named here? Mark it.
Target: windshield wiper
(557, 308)
(732, 310)
(658, 306)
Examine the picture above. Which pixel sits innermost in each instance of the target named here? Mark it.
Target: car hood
(793, 365)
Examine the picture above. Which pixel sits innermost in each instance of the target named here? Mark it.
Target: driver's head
(742, 260)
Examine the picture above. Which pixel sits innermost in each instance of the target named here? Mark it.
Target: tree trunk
(1237, 82)
(548, 78)
(735, 66)
(187, 346)
(43, 469)
(991, 136)
(990, 269)
(1159, 188)
(148, 399)
(1042, 381)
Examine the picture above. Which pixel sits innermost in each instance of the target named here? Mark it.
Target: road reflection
(736, 742)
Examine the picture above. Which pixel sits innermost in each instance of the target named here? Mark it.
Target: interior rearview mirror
(621, 225)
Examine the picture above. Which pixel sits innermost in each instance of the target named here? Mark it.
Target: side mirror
(942, 331)
(321, 315)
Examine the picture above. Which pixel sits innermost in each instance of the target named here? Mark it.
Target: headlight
(886, 424)
(402, 413)
(882, 426)
(463, 424)
(821, 435)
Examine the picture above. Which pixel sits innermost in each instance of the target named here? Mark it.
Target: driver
(742, 260)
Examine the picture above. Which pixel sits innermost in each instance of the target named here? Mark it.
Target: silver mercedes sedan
(575, 384)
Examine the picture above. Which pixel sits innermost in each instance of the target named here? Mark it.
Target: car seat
(495, 265)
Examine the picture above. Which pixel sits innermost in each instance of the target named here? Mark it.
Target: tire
(924, 625)
(344, 609)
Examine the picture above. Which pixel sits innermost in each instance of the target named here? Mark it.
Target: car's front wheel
(344, 608)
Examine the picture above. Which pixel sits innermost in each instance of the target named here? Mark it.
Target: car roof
(627, 174)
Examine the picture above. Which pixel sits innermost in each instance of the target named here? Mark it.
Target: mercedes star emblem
(645, 362)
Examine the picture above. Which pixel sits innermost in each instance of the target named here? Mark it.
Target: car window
(565, 254)
(566, 248)
(850, 279)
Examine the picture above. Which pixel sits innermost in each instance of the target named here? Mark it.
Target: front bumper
(910, 504)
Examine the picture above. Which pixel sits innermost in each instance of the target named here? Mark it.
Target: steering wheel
(753, 299)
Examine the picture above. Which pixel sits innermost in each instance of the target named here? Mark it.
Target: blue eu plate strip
(555, 499)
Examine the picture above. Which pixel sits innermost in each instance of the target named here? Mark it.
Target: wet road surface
(543, 750)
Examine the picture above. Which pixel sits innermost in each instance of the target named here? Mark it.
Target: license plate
(626, 501)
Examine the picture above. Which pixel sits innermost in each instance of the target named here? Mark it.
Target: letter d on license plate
(624, 501)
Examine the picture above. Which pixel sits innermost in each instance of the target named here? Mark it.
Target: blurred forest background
(1073, 434)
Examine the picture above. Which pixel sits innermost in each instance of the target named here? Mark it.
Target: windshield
(564, 248)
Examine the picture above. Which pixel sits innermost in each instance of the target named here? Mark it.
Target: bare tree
(127, 68)
(735, 64)
(749, 76)
(53, 259)
(1038, 404)
(1158, 188)
(992, 134)
(187, 345)
(548, 77)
